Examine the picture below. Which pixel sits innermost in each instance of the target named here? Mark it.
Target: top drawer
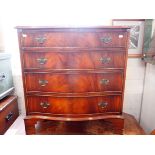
(73, 39)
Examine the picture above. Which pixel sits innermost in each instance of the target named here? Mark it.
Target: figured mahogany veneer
(74, 73)
(72, 82)
(74, 105)
(70, 38)
(73, 59)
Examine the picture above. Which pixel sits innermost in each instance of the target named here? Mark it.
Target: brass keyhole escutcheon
(102, 105)
(106, 39)
(40, 40)
(41, 61)
(44, 105)
(105, 60)
(43, 82)
(104, 81)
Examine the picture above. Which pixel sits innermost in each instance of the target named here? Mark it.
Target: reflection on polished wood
(135, 55)
(44, 126)
(153, 132)
(74, 71)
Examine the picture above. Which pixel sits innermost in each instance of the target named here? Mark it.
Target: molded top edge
(72, 27)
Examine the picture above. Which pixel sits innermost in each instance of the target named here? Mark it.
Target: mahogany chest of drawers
(73, 73)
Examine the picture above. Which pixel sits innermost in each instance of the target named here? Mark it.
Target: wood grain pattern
(74, 82)
(111, 124)
(153, 132)
(90, 127)
(8, 112)
(73, 39)
(74, 60)
(72, 28)
(74, 105)
(96, 126)
(135, 55)
(69, 71)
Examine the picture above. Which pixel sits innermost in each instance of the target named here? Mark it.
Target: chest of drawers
(73, 74)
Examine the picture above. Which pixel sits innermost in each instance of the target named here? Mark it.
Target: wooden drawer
(73, 39)
(74, 60)
(74, 105)
(72, 82)
(8, 112)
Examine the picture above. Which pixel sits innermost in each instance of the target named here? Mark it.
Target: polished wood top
(6, 101)
(72, 27)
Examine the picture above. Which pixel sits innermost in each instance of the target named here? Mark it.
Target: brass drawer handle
(9, 116)
(42, 61)
(44, 105)
(40, 40)
(105, 60)
(43, 82)
(102, 105)
(106, 39)
(104, 81)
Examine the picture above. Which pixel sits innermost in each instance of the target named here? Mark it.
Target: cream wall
(134, 87)
(1, 38)
(147, 120)
(148, 107)
(73, 14)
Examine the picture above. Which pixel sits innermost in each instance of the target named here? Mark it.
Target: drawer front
(8, 116)
(73, 39)
(74, 82)
(73, 60)
(74, 105)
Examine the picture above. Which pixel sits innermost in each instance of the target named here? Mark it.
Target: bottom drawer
(74, 105)
(8, 112)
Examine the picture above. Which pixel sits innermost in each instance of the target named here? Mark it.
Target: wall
(1, 38)
(134, 87)
(68, 16)
(147, 120)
